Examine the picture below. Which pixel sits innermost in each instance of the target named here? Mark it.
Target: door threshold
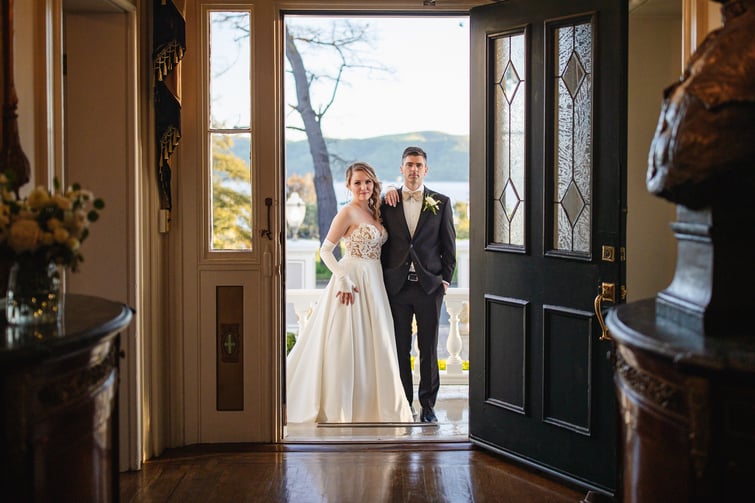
(377, 425)
(372, 434)
(387, 445)
(451, 407)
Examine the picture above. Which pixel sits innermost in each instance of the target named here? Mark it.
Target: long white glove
(343, 282)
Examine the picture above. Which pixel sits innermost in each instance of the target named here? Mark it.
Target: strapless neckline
(368, 224)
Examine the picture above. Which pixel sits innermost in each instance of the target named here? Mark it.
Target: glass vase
(34, 296)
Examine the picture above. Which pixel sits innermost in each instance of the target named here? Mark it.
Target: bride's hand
(391, 196)
(347, 297)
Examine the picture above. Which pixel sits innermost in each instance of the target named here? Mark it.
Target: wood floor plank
(347, 474)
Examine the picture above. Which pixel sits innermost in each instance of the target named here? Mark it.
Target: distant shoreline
(448, 155)
(457, 191)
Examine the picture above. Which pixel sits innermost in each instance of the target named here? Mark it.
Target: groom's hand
(347, 297)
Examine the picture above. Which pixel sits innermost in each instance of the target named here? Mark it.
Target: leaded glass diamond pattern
(508, 91)
(572, 55)
(573, 75)
(509, 81)
(510, 200)
(573, 203)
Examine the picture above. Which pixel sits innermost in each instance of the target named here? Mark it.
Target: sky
(426, 89)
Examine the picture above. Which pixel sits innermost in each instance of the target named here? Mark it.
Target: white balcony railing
(453, 340)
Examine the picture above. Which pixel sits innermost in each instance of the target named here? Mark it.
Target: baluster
(415, 351)
(464, 330)
(303, 301)
(302, 315)
(453, 344)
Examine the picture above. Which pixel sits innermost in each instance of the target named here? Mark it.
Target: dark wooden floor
(451, 472)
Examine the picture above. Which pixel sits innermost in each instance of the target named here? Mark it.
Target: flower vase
(34, 296)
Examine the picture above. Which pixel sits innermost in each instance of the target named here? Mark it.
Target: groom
(418, 260)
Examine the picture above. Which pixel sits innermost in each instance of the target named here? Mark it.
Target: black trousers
(412, 301)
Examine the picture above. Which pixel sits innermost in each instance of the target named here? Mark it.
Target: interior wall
(98, 154)
(96, 146)
(714, 15)
(23, 78)
(654, 55)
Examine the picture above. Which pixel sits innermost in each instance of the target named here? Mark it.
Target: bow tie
(408, 196)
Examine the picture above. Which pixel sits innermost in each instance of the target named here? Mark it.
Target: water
(457, 191)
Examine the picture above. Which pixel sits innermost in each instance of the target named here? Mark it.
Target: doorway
(378, 83)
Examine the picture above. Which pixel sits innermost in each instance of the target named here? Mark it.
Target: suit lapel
(422, 213)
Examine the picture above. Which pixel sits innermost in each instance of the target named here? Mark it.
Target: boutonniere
(430, 204)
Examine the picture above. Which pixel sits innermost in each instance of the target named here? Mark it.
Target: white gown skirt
(343, 367)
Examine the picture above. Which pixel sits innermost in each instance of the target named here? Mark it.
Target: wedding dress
(343, 367)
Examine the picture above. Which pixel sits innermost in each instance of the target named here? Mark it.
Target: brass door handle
(607, 293)
(266, 233)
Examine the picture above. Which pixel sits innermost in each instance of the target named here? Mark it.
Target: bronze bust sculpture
(703, 159)
(704, 144)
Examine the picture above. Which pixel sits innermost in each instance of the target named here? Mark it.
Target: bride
(343, 367)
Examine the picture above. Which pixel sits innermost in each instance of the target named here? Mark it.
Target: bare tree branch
(342, 45)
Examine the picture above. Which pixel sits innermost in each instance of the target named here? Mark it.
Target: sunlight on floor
(452, 409)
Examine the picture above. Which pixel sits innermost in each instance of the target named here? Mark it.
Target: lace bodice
(365, 242)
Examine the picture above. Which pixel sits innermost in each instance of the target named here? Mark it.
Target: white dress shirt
(412, 209)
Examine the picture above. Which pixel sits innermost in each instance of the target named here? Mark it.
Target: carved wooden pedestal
(687, 408)
(58, 405)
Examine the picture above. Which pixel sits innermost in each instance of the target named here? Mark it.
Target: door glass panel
(231, 191)
(230, 134)
(572, 135)
(508, 92)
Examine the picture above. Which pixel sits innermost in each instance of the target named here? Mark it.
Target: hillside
(448, 155)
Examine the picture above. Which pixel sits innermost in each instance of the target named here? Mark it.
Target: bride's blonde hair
(374, 202)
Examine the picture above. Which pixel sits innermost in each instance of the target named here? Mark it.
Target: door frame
(283, 7)
(190, 373)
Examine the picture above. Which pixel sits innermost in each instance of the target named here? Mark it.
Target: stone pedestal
(710, 292)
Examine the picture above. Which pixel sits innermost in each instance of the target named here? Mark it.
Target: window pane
(230, 134)
(231, 191)
(509, 92)
(230, 84)
(573, 82)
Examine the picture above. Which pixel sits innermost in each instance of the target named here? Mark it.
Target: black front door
(547, 157)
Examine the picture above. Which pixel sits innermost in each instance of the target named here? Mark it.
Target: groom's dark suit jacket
(434, 255)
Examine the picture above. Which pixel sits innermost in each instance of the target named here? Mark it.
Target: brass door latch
(607, 293)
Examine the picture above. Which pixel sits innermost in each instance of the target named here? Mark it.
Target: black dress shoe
(428, 415)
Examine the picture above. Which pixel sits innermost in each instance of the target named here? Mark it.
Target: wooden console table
(687, 407)
(59, 404)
